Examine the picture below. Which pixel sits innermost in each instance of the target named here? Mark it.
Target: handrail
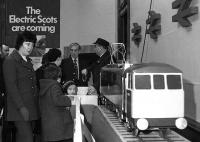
(81, 132)
(77, 122)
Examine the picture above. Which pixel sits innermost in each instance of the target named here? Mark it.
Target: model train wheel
(135, 131)
(147, 131)
(127, 126)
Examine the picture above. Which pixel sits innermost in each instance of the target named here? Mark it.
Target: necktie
(76, 68)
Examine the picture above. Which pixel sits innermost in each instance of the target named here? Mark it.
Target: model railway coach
(153, 96)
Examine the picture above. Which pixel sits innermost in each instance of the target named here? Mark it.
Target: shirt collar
(24, 58)
(74, 59)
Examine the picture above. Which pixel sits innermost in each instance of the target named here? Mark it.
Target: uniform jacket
(95, 68)
(21, 90)
(57, 123)
(68, 71)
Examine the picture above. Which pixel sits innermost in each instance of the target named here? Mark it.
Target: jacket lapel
(20, 60)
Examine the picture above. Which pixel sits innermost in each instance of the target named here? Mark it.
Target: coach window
(158, 81)
(142, 82)
(174, 81)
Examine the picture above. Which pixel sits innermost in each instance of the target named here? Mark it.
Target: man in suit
(101, 49)
(72, 66)
(4, 51)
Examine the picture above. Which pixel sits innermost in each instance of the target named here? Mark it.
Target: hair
(53, 54)
(3, 45)
(45, 59)
(75, 44)
(41, 41)
(67, 84)
(52, 71)
(25, 36)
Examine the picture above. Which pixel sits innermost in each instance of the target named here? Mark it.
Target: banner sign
(39, 16)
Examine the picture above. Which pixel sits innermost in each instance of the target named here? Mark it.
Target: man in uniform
(101, 49)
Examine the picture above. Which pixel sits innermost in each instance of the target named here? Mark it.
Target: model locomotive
(152, 97)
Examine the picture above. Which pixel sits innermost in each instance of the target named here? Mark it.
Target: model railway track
(126, 136)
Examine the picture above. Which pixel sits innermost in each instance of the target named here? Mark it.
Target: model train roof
(152, 68)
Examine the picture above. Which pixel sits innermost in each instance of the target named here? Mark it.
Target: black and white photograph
(99, 71)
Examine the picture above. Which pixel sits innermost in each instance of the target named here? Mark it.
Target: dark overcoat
(2, 87)
(95, 68)
(21, 90)
(57, 123)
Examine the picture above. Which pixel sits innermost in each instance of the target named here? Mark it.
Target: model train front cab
(154, 96)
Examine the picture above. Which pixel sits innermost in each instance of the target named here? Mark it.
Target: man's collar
(102, 54)
(74, 59)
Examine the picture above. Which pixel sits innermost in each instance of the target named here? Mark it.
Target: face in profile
(98, 49)
(72, 90)
(4, 51)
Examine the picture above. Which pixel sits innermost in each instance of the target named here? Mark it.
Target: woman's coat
(57, 123)
(21, 89)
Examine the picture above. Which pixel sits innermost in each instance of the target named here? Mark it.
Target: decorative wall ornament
(137, 33)
(154, 24)
(184, 11)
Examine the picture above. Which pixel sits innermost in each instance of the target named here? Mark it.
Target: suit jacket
(95, 68)
(68, 71)
(57, 123)
(2, 86)
(21, 90)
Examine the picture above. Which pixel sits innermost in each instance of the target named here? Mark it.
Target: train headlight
(181, 123)
(142, 124)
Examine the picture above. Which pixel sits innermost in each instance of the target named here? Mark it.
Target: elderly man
(72, 66)
(4, 50)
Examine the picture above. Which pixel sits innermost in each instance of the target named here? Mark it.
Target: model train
(152, 97)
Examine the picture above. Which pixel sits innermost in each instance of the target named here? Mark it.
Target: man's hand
(25, 113)
(84, 71)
